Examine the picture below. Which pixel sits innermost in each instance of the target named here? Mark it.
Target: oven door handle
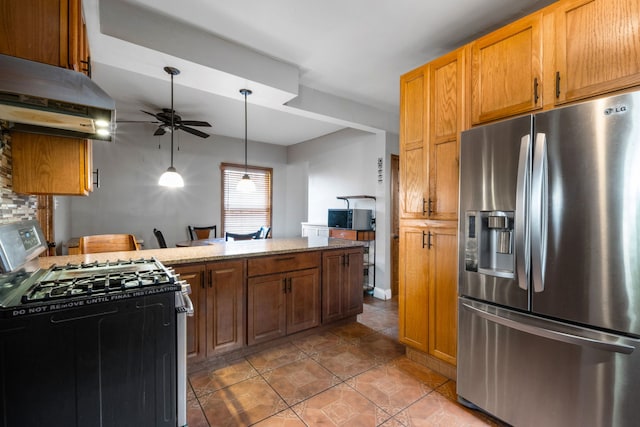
(188, 305)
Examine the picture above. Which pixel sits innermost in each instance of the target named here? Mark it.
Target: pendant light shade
(245, 185)
(171, 178)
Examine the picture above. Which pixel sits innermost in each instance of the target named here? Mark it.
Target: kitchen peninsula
(252, 292)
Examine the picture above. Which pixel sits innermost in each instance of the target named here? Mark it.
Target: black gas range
(87, 344)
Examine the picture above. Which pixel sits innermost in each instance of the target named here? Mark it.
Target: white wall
(345, 163)
(129, 199)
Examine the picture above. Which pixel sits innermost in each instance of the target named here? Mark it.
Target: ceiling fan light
(171, 178)
(245, 185)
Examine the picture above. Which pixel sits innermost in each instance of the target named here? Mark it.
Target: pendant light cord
(246, 92)
(172, 113)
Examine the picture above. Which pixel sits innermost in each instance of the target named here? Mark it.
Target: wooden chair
(235, 236)
(197, 233)
(160, 238)
(107, 243)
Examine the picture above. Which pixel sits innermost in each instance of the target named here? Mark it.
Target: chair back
(235, 236)
(264, 231)
(161, 242)
(107, 243)
(197, 233)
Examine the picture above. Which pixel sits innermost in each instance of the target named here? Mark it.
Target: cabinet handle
(284, 285)
(424, 202)
(97, 180)
(429, 204)
(289, 258)
(289, 287)
(428, 236)
(87, 69)
(202, 281)
(557, 84)
(535, 91)
(210, 279)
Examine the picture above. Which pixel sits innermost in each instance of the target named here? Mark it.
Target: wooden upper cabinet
(446, 100)
(431, 118)
(506, 71)
(49, 31)
(44, 164)
(414, 173)
(597, 47)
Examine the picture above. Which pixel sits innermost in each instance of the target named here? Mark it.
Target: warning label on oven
(29, 309)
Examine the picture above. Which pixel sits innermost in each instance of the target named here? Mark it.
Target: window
(242, 212)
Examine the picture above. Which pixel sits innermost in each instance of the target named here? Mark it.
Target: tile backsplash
(13, 207)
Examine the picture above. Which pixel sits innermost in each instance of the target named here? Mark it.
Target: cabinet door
(303, 300)
(413, 295)
(506, 70)
(597, 47)
(225, 303)
(45, 164)
(332, 278)
(196, 324)
(414, 174)
(353, 283)
(446, 107)
(266, 311)
(442, 299)
(34, 30)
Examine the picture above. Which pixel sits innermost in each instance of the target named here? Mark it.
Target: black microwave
(352, 219)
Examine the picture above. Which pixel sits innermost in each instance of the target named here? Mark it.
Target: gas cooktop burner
(97, 284)
(90, 283)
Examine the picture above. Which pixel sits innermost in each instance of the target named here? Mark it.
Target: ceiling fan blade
(193, 131)
(159, 131)
(194, 123)
(154, 115)
(136, 121)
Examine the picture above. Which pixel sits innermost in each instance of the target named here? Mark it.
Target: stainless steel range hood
(42, 98)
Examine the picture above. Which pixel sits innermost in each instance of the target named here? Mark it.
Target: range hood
(45, 99)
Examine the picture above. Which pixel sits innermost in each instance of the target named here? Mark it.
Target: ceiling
(315, 67)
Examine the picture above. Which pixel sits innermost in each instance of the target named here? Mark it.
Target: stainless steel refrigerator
(549, 266)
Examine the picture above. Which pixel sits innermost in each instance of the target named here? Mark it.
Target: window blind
(245, 212)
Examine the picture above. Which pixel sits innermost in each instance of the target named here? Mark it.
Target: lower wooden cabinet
(428, 289)
(217, 292)
(44, 164)
(341, 283)
(282, 303)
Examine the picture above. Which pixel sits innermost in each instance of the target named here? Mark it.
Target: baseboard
(383, 294)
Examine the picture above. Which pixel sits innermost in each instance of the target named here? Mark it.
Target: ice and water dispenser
(489, 243)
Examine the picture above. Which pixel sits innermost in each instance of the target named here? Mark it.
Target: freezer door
(493, 250)
(532, 372)
(586, 214)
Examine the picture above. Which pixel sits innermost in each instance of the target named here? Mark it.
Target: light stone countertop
(214, 252)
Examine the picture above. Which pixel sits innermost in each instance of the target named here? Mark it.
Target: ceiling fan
(168, 120)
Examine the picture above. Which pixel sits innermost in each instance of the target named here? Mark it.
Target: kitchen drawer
(341, 233)
(282, 263)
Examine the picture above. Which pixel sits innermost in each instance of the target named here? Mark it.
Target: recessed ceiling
(314, 67)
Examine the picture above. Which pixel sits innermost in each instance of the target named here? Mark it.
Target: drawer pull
(286, 258)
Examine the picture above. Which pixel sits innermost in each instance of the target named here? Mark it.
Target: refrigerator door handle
(521, 325)
(522, 212)
(539, 203)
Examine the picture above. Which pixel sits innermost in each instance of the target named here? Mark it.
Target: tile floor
(350, 375)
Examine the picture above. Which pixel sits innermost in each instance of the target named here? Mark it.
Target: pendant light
(245, 185)
(171, 178)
